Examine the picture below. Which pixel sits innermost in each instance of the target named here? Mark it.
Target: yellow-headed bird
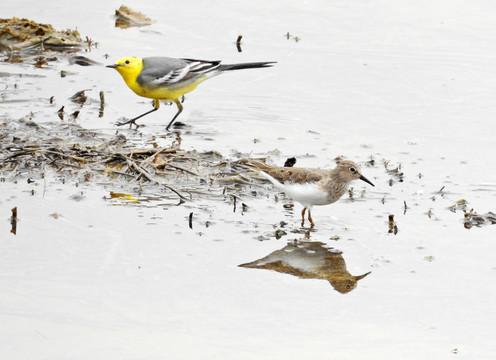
(165, 78)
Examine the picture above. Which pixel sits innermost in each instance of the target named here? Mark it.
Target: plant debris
(395, 172)
(290, 162)
(293, 37)
(393, 228)
(126, 18)
(238, 43)
(82, 61)
(66, 150)
(20, 34)
(13, 221)
(471, 218)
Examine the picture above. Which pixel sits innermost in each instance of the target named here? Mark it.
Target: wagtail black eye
(127, 61)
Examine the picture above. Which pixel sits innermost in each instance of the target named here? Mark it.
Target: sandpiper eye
(127, 61)
(352, 169)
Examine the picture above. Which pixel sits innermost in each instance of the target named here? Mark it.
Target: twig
(72, 157)
(149, 177)
(139, 169)
(153, 151)
(181, 168)
(159, 151)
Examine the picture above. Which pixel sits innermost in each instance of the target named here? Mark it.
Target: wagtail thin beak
(366, 180)
(113, 66)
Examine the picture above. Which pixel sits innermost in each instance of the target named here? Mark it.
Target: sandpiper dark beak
(360, 277)
(113, 66)
(366, 180)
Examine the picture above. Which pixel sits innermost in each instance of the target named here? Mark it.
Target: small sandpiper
(310, 186)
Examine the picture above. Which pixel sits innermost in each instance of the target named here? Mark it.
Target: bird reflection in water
(310, 260)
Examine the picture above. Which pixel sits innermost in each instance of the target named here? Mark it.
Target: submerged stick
(238, 43)
(148, 176)
(13, 221)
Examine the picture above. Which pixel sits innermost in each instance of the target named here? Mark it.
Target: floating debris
(13, 221)
(79, 97)
(102, 104)
(75, 114)
(190, 220)
(244, 208)
(40, 62)
(371, 162)
(459, 205)
(82, 61)
(235, 179)
(290, 162)
(471, 218)
(127, 197)
(21, 34)
(279, 233)
(238, 43)
(395, 172)
(393, 229)
(126, 18)
(234, 201)
(60, 113)
(289, 36)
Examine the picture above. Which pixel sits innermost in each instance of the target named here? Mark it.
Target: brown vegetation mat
(67, 150)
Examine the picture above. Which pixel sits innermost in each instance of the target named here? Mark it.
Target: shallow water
(410, 83)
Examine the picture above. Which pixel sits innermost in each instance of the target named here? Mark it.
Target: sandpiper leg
(312, 224)
(303, 216)
(156, 105)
